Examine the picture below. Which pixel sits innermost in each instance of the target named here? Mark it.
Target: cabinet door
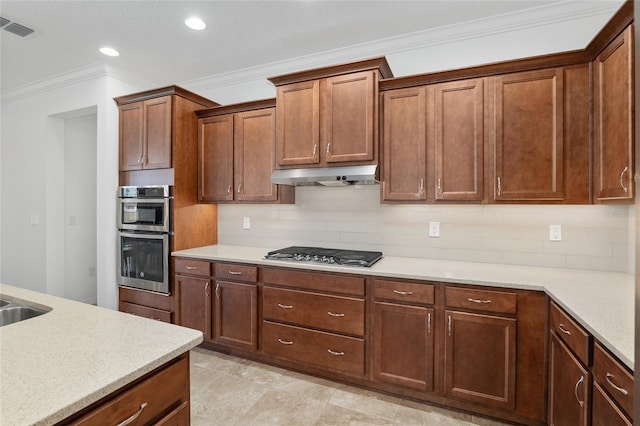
(254, 149)
(236, 316)
(569, 384)
(458, 134)
(157, 133)
(613, 119)
(298, 123)
(404, 145)
(194, 303)
(528, 147)
(215, 158)
(605, 412)
(131, 134)
(480, 359)
(347, 117)
(403, 345)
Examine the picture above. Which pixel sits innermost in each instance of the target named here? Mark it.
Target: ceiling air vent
(3, 21)
(18, 29)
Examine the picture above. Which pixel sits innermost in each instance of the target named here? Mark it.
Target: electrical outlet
(92, 271)
(246, 222)
(434, 229)
(35, 220)
(555, 232)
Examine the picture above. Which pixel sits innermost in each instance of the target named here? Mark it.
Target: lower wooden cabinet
(146, 304)
(194, 303)
(403, 345)
(604, 411)
(480, 358)
(236, 314)
(162, 398)
(569, 386)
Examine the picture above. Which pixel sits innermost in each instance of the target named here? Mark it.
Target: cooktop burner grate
(326, 255)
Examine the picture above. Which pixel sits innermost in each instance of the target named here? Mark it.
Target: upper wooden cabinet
(147, 123)
(457, 136)
(236, 154)
(433, 142)
(614, 120)
(404, 128)
(329, 116)
(528, 145)
(145, 134)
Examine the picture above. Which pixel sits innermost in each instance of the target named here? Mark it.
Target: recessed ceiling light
(195, 23)
(109, 51)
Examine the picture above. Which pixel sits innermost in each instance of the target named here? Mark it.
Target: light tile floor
(227, 391)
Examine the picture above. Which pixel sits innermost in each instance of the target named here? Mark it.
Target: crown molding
(516, 21)
(536, 17)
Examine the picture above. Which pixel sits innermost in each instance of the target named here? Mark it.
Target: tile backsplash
(593, 237)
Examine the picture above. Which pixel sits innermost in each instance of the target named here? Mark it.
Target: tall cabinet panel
(215, 153)
(528, 146)
(298, 128)
(613, 119)
(157, 148)
(254, 134)
(458, 134)
(404, 144)
(348, 117)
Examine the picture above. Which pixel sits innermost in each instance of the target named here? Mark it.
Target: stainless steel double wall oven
(144, 229)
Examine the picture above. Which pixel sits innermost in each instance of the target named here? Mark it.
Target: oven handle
(146, 235)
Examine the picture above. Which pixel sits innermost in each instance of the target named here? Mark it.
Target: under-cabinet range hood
(327, 176)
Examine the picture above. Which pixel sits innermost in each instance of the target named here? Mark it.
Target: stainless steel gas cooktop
(326, 255)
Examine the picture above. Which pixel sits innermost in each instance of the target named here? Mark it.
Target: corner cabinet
(329, 116)
(236, 154)
(614, 120)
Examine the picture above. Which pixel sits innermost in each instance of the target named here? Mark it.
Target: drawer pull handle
(479, 301)
(334, 314)
(626, 169)
(280, 305)
(618, 388)
(335, 353)
(285, 342)
(403, 293)
(575, 390)
(134, 417)
(564, 330)
(191, 268)
(234, 272)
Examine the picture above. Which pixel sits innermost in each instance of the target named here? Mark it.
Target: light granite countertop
(602, 302)
(53, 365)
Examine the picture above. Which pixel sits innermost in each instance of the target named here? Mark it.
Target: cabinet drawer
(193, 267)
(570, 332)
(404, 291)
(145, 311)
(481, 300)
(614, 378)
(605, 412)
(326, 350)
(234, 272)
(313, 281)
(334, 313)
(178, 417)
(160, 394)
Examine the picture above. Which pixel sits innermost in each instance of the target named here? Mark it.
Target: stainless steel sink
(14, 310)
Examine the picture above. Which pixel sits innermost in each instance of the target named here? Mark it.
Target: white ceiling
(154, 42)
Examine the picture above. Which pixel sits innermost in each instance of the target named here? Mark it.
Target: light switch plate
(434, 229)
(555, 232)
(246, 222)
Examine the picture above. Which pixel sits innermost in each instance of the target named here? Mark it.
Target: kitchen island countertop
(58, 363)
(602, 302)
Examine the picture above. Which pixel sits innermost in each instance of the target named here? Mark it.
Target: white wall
(32, 145)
